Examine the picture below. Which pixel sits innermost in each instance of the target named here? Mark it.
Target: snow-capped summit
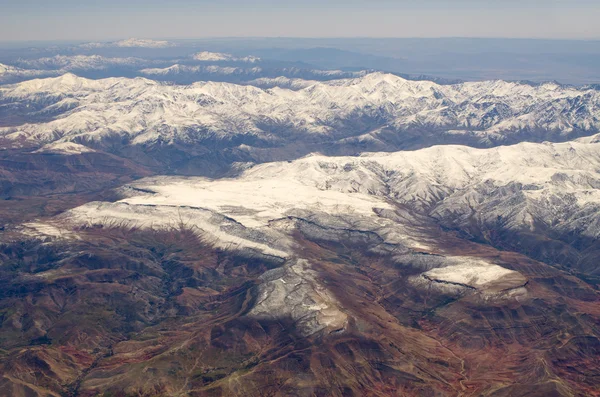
(66, 83)
(207, 56)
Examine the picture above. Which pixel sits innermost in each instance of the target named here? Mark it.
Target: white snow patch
(219, 56)
(216, 230)
(466, 273)
(44, 229)
(67, 148)
(477, 274)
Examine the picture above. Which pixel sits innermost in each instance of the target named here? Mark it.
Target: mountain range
(350, 233)
(242, 122)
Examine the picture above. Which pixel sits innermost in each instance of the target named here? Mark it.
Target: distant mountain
(219, 56)
(80, 62)
(178, 71)
(470, 59)
(186, 70)
(12, 74)
(130, 43)
(262, 75)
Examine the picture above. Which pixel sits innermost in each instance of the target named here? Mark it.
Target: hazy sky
(111, 19)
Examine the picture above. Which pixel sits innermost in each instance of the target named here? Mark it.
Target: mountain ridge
(390, 107)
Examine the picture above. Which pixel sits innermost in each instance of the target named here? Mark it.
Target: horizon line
(112, 39)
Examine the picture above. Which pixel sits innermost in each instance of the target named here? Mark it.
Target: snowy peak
(410, 176)
(207, 56)
(68, 82)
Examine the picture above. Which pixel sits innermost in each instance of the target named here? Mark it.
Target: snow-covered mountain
(177, 70)
(390, 204)
(208, 56)
(200, 67)
(67, 63)
(130, 43)
(373, 112)
(442, 178)
(256, 75)
(11, 74)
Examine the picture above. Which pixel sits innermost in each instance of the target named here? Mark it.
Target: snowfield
(378, 200)
(64, 148)
(380, 193)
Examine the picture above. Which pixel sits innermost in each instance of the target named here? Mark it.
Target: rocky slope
(325, 275)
